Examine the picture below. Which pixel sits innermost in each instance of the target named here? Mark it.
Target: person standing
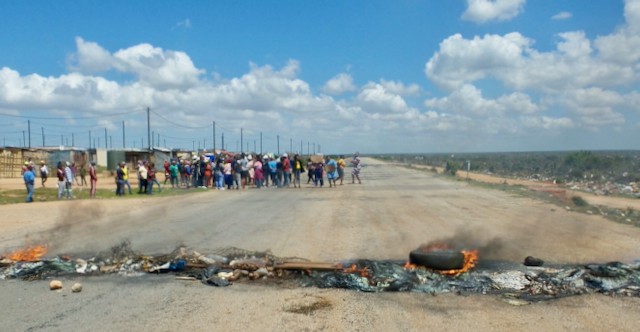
(174, 172)
(298, 168)
(142, 177)
(207, 173)
(93, 179)
(167, 171)
(258, 175)
(311, 171)
(68, 181)
(44, 173)
(332, 171)
(355, 172)
(60, 175)
(29, 180)
(83, 175)
(155, 176)
(125, 178)
(318, 177)
(341, 166)
(286, 169)
(151, 177)
(74, 171)
(120, 181)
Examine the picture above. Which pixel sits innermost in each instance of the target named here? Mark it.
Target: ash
(225, 266)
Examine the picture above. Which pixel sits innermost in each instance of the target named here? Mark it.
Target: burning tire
(438, 259)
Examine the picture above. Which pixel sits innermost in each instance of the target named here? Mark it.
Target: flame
(470, 260)
(363, 272)
(29, 254)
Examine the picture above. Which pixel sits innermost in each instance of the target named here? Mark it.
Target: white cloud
(374, 98)
(400, 88)
(511, 60)
(562, 16)
(462, 60)
(339, 84)
(469, 100)
(90, 58)
(186, 24)
(481, 11)
(158, 68)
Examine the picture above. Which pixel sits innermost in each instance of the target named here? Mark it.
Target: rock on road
(395, 210)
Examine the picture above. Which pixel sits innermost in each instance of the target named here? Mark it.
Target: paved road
(392, 212)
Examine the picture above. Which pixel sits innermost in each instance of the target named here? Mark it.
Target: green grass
(51, 194)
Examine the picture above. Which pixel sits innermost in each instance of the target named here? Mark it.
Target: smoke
(472, 239)
(74, 223)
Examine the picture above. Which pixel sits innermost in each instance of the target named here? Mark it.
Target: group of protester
(146, 172)
(238, 171)
(66, 173)
(221, 171)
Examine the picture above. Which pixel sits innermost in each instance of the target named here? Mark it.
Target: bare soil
(394, 211)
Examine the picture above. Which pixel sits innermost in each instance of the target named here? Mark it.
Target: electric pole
(148, 128)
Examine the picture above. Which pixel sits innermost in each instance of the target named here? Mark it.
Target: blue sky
(372, 76)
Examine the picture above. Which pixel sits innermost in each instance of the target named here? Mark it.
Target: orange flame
(470, 260)
(364, 272)
(29, 254)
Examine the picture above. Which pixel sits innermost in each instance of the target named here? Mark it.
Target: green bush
(451, 168)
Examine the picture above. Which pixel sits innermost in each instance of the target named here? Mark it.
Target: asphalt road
(394, 211)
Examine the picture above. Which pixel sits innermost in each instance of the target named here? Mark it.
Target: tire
(438, 259)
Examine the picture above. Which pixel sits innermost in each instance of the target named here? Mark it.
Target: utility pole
(222, 140)
(24, 140)
(42, 136)
(278, 137)
(158, 141)
(308, 149)
(314, 148)
(73, 141)
(29, 127)
(123, 136)
(214, 135)
(260, 142)
(241, 140)
(301, 147)
(149, 128)
(105, 139)
(153, 137)
(94, 144)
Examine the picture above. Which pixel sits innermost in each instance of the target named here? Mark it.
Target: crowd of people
(225, 171)
(222, 171)
(66, 172)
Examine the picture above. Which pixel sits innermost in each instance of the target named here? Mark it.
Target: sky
(373, 76)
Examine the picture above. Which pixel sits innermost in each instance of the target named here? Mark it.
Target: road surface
(394, 211)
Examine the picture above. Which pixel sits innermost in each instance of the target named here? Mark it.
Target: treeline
(597, 166)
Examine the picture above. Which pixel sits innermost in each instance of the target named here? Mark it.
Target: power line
(65, 118)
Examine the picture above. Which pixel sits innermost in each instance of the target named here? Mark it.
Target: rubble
(517, 284)
(76, 288)
(55, 284)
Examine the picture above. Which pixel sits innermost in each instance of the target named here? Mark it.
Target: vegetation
(562, 167)
(51, 194)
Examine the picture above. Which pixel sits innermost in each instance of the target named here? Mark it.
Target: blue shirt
(29, 177)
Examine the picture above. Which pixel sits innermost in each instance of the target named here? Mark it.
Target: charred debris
(518, 283)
